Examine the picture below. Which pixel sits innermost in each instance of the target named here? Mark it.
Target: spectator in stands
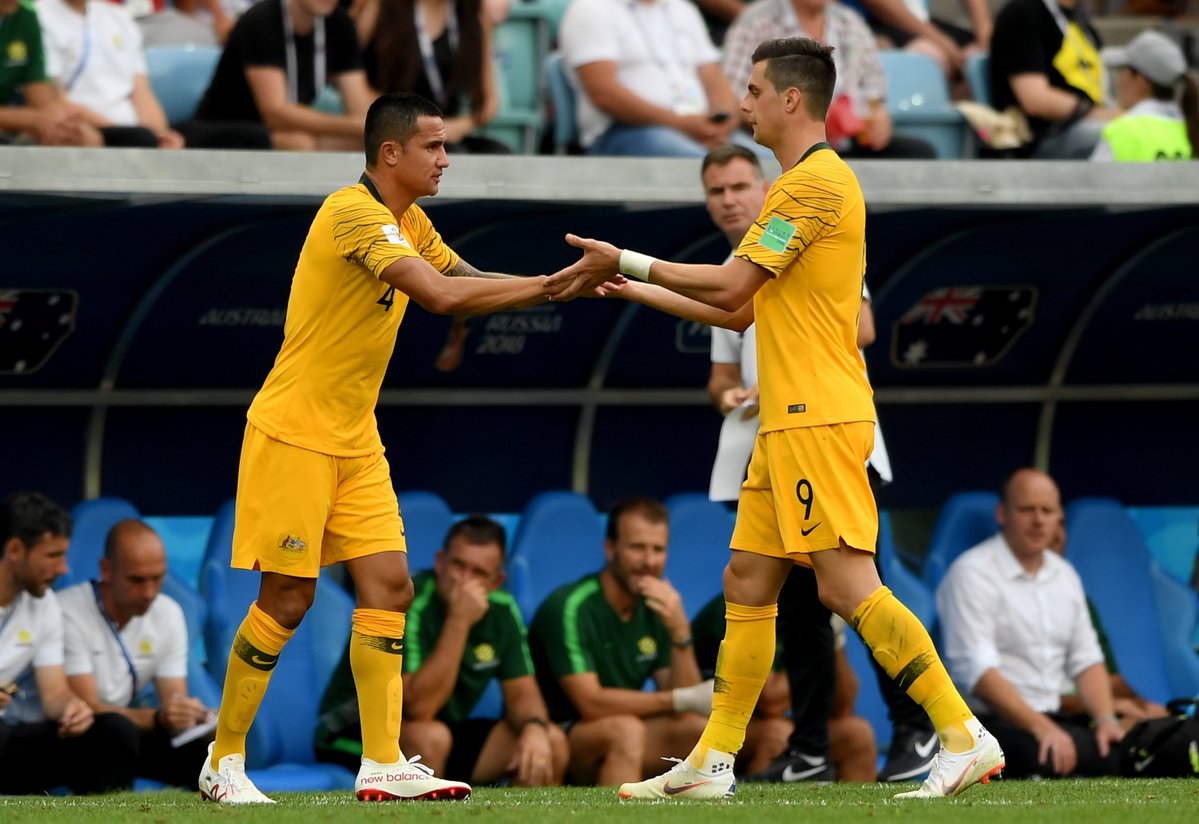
(735, 190)
(124, 635)
(94, 49)
(177, 22)
(1130, 707)
(648, 78)
(441, 50)
(595, 641)
(859, 124)
(852, 754)
(279, 57)
(31, 107)
(1149, 72)
(1016, 628)
(463, 631)
(1045, 61)
(909, 25)
(49, 736)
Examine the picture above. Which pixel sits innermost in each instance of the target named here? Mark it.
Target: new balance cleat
(228, 784)
(954, 772)
(682, 781)
(405, 780)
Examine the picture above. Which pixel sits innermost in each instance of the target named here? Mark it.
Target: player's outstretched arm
(463, 295)
(662, 299)
(462, 269)
(727, 287)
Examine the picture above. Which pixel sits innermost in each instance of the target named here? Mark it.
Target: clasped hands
(595, 274)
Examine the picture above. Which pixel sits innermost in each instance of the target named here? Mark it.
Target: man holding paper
(124, 635)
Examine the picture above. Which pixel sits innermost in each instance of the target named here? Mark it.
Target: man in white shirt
(49, 736)
(648, 78)
(94, 51)
(1016, 627)
(122, 635)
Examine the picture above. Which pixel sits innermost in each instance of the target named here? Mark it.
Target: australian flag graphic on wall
(962, 326)
(33, 322)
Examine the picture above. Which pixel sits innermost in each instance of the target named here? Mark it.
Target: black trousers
(1020, 748)
(34, 759)
(177, 766)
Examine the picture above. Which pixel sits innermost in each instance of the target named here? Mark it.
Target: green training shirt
(22, 58)
(576, 631)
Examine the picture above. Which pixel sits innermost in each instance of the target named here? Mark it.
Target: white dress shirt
(1035, 630)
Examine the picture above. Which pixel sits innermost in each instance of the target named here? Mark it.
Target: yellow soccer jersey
(341, 324)
(811, 236)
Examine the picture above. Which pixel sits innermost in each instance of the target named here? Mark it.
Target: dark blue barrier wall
(1004, 335)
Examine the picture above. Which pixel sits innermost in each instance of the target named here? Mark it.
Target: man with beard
(49, 736)
(595, 642)
(123, 635)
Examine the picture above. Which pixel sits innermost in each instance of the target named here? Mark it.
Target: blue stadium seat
(279, 751)
(906, 586)
(195, 612)
(557, 541)
(700, 531)
(91, 521)
(977, 71)
(520, 44)
(179, 76)
(918, 101)
(562, 100)
(966, 519)
(427, 518)
(491, 702)
(869, 704)
(1177, 615)
(220, 542)
(1105, 547)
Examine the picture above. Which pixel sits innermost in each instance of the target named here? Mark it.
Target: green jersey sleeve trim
(570, 624)
(414, 655)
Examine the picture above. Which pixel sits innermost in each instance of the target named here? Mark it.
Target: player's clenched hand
(665, 600)
(599, 265)
(76, 718)
(532, 763)
(468, 601)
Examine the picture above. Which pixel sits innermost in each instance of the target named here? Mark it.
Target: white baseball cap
(1151, 54)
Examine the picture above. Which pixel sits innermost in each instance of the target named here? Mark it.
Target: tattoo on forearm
(462, 269)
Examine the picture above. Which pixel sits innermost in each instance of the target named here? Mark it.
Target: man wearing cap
(1148, 72)
(1045, 61)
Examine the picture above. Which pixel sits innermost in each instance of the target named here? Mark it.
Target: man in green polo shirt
(462, 631)
(38, 114)
(597, 640)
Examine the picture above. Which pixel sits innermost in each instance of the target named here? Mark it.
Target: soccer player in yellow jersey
(313, 486)
(806, 499)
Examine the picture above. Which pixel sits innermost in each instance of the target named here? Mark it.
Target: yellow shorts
(806, 491)
(299, 510)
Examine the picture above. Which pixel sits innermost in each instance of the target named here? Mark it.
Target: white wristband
(635, 264)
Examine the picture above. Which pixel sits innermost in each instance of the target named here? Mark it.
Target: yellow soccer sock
(742, 666)
(903, 648)
(377, 661)
(252, 659)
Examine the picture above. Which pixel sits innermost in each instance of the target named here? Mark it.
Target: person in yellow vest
(1149, 72)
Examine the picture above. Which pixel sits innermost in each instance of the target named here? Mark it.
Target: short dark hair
(477, 529)
(30, 515)
(651, 509)
(803, 63)
(394, 116)
(726, 154)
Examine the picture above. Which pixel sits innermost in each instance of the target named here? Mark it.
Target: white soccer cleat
(954, 772)
(229, 784)
(405, 780)
(682, 781)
